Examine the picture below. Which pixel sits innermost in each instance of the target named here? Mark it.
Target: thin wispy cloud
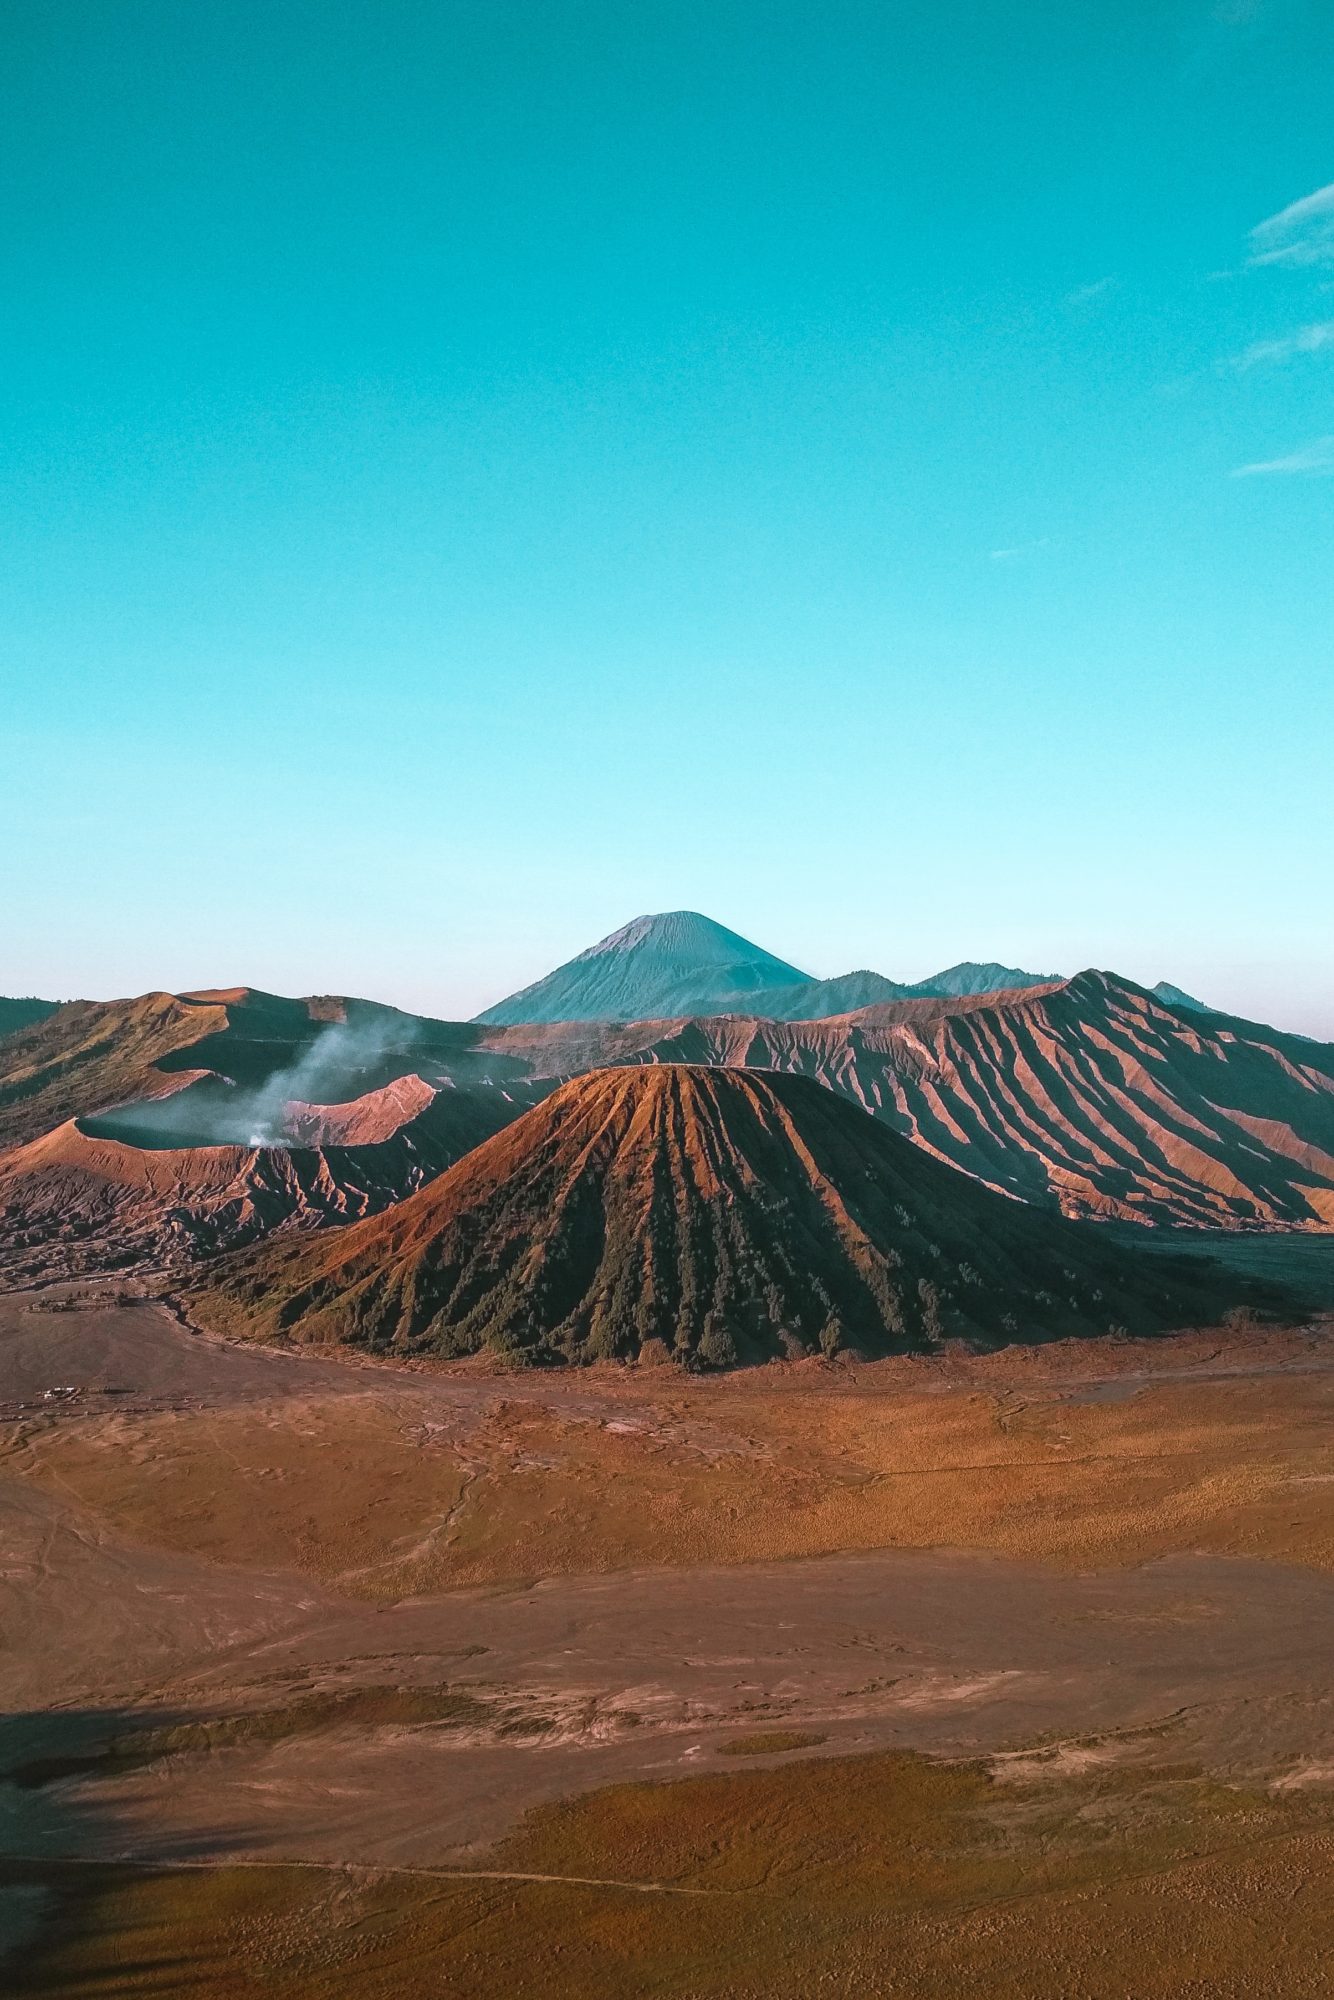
(1020, 549)
(1312, 458)
(1301, 233)
(1273, 353)
(1084, 295)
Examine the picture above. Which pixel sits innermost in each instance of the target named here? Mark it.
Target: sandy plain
(322, 1677)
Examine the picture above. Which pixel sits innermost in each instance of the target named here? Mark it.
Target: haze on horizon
(473, 474)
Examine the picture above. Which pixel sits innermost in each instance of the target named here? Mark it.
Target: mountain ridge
(24, 1012)
(1089, 1095)
(680, 963)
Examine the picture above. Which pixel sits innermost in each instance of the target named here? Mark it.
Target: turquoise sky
(475, 472)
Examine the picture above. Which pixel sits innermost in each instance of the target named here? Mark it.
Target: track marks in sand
(326, 1486)
(406, 1488)
(882, 1874)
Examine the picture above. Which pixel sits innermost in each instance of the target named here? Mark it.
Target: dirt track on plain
(238, 1533)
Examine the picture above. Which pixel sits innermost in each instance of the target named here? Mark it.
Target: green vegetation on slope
(711, 1215)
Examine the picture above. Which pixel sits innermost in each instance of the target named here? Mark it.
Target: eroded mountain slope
(725, 1215)
(114, 1192)
(1090, 1096)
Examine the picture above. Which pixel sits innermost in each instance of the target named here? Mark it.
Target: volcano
(653, 969)
(720, 1216)
(680, 963)
(1091, 1097)
(135, 1187)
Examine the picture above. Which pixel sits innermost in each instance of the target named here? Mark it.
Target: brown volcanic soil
(195, 1678)
(882, 1875)
(724, 1215)
(1083, 1453)
(1146, 1803)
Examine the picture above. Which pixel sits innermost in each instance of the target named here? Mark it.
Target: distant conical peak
(686, 935)
(1176, 996)
(680, 963)
(661, 967)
